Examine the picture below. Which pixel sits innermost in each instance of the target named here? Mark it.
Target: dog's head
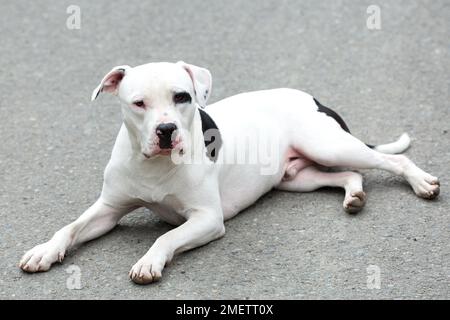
(158, 101)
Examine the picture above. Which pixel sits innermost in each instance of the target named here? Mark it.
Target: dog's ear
(202, 80)
(110, 82)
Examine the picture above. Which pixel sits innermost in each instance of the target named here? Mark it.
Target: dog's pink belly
(294, 163)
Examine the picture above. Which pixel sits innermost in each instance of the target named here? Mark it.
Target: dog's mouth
(165, 149)
(166, 144)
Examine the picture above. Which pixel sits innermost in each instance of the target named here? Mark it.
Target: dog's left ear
(111, 81)
(202, 80)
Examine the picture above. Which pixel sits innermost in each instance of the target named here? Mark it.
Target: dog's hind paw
(355, 201)
(425, 185)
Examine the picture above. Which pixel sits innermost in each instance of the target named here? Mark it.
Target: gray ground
(55, 144)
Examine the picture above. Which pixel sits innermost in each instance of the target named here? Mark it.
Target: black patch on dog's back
(336, 117)
(212, 151)
(332, 114)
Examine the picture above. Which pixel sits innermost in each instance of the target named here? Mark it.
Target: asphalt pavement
(56, 143)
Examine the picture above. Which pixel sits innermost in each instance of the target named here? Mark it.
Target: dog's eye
(139, 103)
(182, 97)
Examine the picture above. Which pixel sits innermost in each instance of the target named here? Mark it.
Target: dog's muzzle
(165, 132)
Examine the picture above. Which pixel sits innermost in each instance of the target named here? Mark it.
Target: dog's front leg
(201, 227)
(94, 222)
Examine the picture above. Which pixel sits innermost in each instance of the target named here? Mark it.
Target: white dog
(186, 165)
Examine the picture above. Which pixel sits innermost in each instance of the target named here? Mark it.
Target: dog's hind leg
(311, 178)
(333, 147)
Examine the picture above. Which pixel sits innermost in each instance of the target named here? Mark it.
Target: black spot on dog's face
(182, 97)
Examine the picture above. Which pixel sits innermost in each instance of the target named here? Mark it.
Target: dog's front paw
(41, 257)
(148, 269)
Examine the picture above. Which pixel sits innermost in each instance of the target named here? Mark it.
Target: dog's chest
(151, 185)
(160, 199)
(169, 211)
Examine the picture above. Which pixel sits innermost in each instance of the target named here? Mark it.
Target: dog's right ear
(110, 82)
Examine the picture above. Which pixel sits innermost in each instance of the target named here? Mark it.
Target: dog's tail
(398, 146)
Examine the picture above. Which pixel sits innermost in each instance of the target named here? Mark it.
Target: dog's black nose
(164, 132)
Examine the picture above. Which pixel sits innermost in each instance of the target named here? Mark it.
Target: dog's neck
(211, 136)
